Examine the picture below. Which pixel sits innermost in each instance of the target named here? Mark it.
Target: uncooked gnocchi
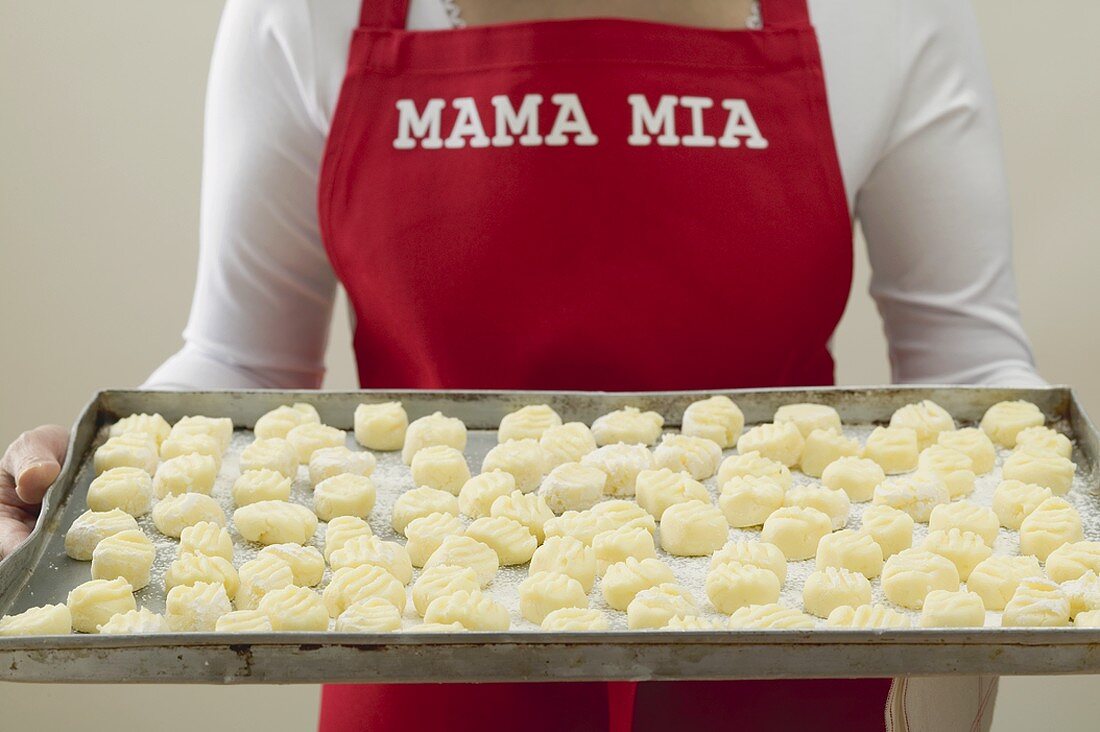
(908, 577)
(954, 468)
(1054, 522)
(964, 549)
(524, 459)
(693, 529)
(1014, 501)
(621, 463)
(219, 428)
(694, 622)
(796, 530)
(350, 585)
(264, 484)
(544, 592)
(128, 450)
(528, 509)
(305, 562)
(92, 527)
(824, 447)
(310, 437)
(748, 500)
(566, 555)
(94, 603)
(135, 622)
(185, 474)
(572, 487)
(834, 504)
(566, 443)
(973, 443)
(478, 493)
(530, 422)
(440, 581)
(731, 585)
(618, 514)
(441, 467)
(851, 550)
(341, 530)
(1070, 561)
(274, 454)
(867, 616)
(754, 464)
(381, 426)
(344, 495)
(1040, 467)
(580, 525)
(696, 456)
(655, 607)
(153, 425)
(1037, 602)
(191, 569)
(294, 609)
(856, 476)
(827, 589)
(995, 579)
(196, 443)
(43, 620)
(412, 504)
(127, 554)
(1044, 439)
(781, 442)
(965, 516)
(808, 417)
(373, 615)
(434, 429)
(915, 494)
(891, 529)
(1083, 593)
(1005, 420)
(624, 580)
(281, 420)
(331, 461)
(576, 619)
(173, 514)
(769, 616)
(757, 553)
(512, 541)
(628, 425)
(926, 418)
(716, 419)
(959, 609)
(389, 555)
(243, 621)
(259, 576)
(657, 490)
(274, 522)
(463, 551)
(895, 449)
(426, 533)
(614, 546)
(472, 609)
(127, 489)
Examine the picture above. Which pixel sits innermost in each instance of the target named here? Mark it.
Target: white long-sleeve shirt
(916, 131)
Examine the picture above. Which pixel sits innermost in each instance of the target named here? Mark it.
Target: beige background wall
(100, 133)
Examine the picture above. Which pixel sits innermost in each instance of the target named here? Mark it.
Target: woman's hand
(30, 465)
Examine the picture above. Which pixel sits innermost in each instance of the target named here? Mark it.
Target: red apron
(589, 204)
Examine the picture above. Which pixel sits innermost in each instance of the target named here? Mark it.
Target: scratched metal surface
(40, 572)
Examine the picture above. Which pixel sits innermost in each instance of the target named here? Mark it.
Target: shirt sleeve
(935, 213)
(264, 295)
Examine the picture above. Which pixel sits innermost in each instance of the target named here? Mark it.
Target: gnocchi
(442, 580)
(173, 514)
(891, 529)
(464, 551)
(628, 425)
(524, 459)
(824, 447)
(1070, 561)
(294, 608)
(696, 456)
(614, 546)
(92, 527)
(127, 450)
(127, 489)
(310, 437)
(626, 579)
(781, 442)
(274, 453)
(566, 555)
(512, 541)
(190, 569)
(305, 562)
(243, 621)
(528, 509)
(426, 533)
(754, 464)
(264, 484)
(954, 468)
(207, 538)
(895, 449)
(389, 555)
(478, 493)
(995, 579)
(1054, 522)
(94, 603)
(127, 554)
(543, 592)
(964, 549)
(834, 504)
(927, 419)
(530, 422)
(850, 550)
(441, 467)
(827, 589)
(341, 530)
(413, 504)
(153, 425)
(185, 474)
(381, 426)
(1005, 420)
(756, 553)
(332, 461)
(867, 616)
(657, 490)
(621, 463)
(908, 577)
(575, 619)
(960, 609)
(566, 443)
(1044, 439)
(1040, 467)
(693, 528)
(808, 417)
(350, 585)
(973, 443)
(133, 622)
(275, 522)
(573, 487)
(716, 419)
(369, 616)
(966, 516)
(655, 607)
(856, 476)
(769, 616)
(749, 500)
(344, 495)
(434, 429)
(281, 420)
(1037, 602)
(471, 609)
(915, 494)
(259, 576)
(796, 530)
(731, 585)
(43, 620)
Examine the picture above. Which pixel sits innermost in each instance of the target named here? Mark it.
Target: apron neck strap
(785, 12)
(390, 14)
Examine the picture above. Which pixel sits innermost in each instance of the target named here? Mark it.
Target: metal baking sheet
(39, 572)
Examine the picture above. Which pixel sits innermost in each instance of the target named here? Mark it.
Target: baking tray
(39, 572)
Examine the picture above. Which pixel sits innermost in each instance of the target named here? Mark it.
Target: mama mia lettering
(423, 128)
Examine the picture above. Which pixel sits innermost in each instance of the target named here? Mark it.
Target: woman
(548, 198)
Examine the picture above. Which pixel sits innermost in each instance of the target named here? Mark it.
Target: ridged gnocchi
(381, 426)
(127, 489)
(895, 449)
(621, 463)
(294, 608)
(657, 490)
(332, 461)
(274, 522)
(1005, 420)
(127, 450)
(1037, 602)
(92, 527)
(576, 619)
(748, 500)
(908, 577)
(851, 550)
(207, 538)
(185, 474)
(824, 447)
(42, 620)
(973, 443)
(530, 422)
(626, 579)
(964, 549)
(543, 592)
(373, 615)
(439, 581)
(834, 504)
(512, 541)
(915, 494)
(769, 616)
(478, 493)
(716, 419)
(305, 562)
(696, 456)
(310, 437)
(281, 420)
(344, 495)
(954, 468)
(566, 443)
(528, 509)
(464, 551)
(259, 576)
(426, 533)
(173, 514)
(995, 579)
(566, 555)
(1040, 467)
(434, 429)
(471, 609)
(128, 554)
(389, 555)
(966, 516)
(926, 418)
(628, 425)
(654, 607)
(615, 545)
(1054, 522)
(190, 569)
(732, 585)
(264, 484)
(781, 442)
(274, 454)
(93, 603)
(524, 459)
(827, 589)
(142, 621)
(417, 502)
(441, 467)
(341, 530)
(365, 581)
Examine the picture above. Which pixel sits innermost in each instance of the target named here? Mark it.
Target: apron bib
(589, 204)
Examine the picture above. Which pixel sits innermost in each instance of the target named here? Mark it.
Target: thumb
(34, 461)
